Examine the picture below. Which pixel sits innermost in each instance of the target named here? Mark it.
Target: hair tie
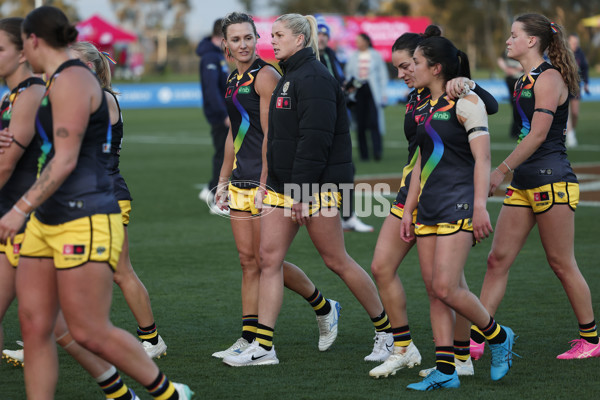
(107, 55)
(553, 27)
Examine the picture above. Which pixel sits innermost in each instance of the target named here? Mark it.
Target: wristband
(19, 211)
(507, 166)
(500, 171)
(26, 201)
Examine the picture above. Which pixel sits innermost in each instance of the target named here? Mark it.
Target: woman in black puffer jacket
(309, 157)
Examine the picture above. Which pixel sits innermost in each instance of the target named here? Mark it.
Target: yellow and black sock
(382, 323)
(444, 359)
(462, 350)
(588, 332)
(476, 335)
(162, 388)
(264, 336)
(249, 323)
(402, 336)
(494, 332)
(113, 386)
(319, 303)
(148, 334)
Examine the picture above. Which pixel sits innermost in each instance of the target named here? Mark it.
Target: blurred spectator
(512, 71)
(213, 79)
(350, 222)
(574, 104)
(368, 73)
(326, 53)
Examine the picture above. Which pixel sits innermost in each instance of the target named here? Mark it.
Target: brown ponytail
(553, 40)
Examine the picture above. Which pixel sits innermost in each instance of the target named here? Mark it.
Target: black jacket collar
(297, 59)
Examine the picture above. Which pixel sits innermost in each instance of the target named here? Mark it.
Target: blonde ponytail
(305, 25)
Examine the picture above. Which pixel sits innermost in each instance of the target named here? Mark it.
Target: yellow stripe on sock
(168, 393)
(118, 393)
(264, 342)
(476, 329)
(444, 361)
(320, 305)
(588, 334)
(403, 343)
(149, 336)
(496, 332)
(249, 328)
(264, 337)
(462, 357)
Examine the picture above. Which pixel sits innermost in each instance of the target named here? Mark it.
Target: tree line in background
(478, 27)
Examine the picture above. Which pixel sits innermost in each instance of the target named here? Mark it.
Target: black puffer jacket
(309, 138)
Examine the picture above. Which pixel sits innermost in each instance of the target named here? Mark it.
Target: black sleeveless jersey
(25, 171)
(120, 187)
(549, 163)
(88, 190)
(416, 103)
(447, 166)
(243, 106)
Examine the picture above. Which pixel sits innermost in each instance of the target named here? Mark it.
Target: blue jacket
(582, 64)
(213, 79)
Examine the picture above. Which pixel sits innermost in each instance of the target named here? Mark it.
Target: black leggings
(366, 118)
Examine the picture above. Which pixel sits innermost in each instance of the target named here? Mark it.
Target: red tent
(102, 33)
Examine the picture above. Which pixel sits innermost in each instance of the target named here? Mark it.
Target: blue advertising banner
(182, 95)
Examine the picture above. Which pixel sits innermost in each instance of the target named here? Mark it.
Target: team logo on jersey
(70, 249)
(284, 103)
(508, 193)
(527, 93)
(462, 206)
(409, 107)
(441, 116)
(541, 196)
(244, 90)
(561, 195)
(229, 91)
(100, 249)
(286, 86)
(545, 171)
(420, 119)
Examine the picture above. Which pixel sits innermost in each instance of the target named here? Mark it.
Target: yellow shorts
(12, 249)
(98, 238)
(322, 200)
(243, 199)
(444, 228)
(125, 210)
(397, 210)
(542, 198)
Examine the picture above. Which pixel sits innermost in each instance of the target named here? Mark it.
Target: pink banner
(383, 32)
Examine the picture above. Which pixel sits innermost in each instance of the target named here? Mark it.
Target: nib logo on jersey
(73, 249)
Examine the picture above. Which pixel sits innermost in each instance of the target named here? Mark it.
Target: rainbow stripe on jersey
(245, 124)
(438, 144)
(525, 123)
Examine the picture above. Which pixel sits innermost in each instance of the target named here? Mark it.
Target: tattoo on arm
(43, 184)
(62, 132)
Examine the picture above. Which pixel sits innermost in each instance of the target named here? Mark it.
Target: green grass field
(187, 260)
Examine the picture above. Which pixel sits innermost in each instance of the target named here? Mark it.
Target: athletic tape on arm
(476, 119)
